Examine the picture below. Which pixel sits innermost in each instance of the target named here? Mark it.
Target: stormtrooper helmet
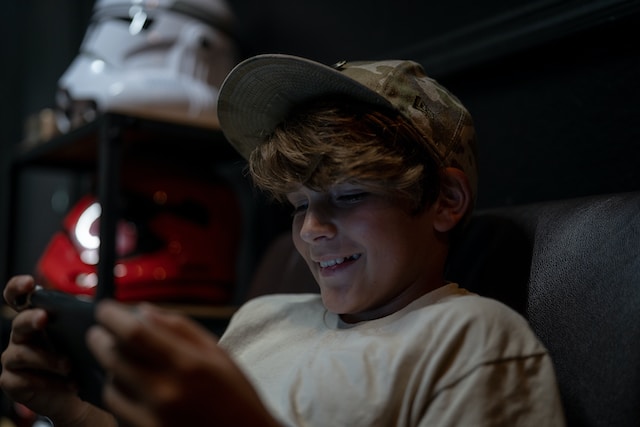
(160, 59)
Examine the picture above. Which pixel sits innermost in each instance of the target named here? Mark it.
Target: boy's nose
(316, 225)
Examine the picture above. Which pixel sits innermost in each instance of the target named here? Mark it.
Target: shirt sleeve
(511, 392)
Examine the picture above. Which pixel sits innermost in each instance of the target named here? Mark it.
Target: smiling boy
(378, 163)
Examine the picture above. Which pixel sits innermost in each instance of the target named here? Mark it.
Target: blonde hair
(327, 144)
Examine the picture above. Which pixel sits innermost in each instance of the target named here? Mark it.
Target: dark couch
(572, 267)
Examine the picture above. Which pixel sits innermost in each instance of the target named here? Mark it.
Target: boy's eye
(351, 197)
(298, 209)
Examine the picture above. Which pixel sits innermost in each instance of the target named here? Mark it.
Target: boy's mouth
(337, 261)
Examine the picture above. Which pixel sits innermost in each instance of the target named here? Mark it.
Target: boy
(378, 163)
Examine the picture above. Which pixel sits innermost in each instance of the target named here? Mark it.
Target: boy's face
(369, 255)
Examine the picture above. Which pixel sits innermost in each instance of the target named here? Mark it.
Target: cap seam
(454, 136)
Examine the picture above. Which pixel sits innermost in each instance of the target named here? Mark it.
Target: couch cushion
(582, 294)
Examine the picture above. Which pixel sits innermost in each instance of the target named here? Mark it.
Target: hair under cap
(261, 92)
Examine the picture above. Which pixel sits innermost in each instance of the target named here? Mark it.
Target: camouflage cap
(260, 92)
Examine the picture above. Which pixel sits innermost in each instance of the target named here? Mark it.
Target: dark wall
(39, 39)
(552, 84)
(558, 120)
(331, 30)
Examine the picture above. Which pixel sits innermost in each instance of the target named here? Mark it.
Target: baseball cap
(260, 92)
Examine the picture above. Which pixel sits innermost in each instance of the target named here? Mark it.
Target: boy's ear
(454, 199)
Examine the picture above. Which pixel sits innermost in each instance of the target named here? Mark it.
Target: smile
(331, 263)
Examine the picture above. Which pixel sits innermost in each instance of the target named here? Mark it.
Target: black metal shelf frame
(100, 147)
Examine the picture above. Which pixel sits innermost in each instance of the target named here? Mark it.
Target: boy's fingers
(16, 290)
(28, 323)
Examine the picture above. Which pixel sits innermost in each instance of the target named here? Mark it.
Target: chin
(336, 302)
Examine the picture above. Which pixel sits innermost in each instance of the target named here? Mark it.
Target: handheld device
(69, 320)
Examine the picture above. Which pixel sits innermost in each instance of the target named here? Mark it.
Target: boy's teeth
(331, 263)
(336, 261)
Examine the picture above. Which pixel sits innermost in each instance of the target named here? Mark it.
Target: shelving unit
(100, 148)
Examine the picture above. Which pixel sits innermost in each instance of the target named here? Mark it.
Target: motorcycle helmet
(161, 59)
(176, 241)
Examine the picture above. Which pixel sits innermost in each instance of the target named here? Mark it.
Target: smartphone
(69, 319)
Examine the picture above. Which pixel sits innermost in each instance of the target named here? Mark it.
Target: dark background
(553, 87)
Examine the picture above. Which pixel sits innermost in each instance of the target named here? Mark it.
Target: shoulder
(483, 329)
(478, 312)
(473, 325)
(273, 312)
(458, 307)
(472, 338)
(486, 354)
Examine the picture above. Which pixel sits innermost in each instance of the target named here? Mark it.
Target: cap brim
(260, 92)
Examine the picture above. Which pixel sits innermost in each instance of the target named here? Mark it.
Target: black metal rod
(109, 153)
(10, 220)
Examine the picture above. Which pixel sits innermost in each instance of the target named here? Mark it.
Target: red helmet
(176, 240)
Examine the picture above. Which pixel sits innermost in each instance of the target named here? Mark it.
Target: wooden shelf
(79, 149)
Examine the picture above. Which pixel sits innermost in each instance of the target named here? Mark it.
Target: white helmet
(162, 59)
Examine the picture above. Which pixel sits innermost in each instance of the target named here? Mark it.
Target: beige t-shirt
(450, 358)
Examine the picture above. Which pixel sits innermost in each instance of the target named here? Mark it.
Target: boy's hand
(32, 372)
(167, 370)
